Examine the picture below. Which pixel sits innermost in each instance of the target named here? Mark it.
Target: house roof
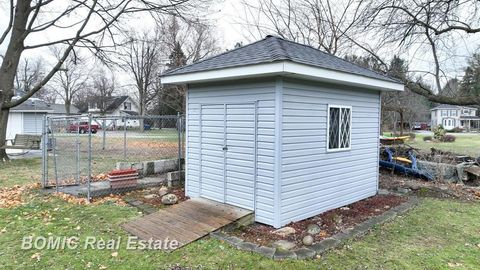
(60, 109)
(114, 102)
(132, 113)
(273, 50)
(448, 106)
(32, 105)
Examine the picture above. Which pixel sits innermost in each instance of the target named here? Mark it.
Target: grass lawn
(464, 144)
(438, 234)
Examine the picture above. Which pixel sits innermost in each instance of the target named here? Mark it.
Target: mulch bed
(139, 195)
(330, 222)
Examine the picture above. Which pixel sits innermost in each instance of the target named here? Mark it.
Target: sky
(225, 15)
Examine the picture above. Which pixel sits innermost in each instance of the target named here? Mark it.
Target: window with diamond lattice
(339, 127)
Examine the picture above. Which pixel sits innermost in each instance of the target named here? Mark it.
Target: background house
(282, 129)
(452, 116)
(116, 107)
(59, 110)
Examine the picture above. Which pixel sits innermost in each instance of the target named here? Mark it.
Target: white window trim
(339, 133)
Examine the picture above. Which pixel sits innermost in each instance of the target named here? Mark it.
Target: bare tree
(69, 80)
(140, 57)
(430, 27)
(102, 89)
(90, 24)
(324, 24)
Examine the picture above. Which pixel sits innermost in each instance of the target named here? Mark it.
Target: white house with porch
(452, 116)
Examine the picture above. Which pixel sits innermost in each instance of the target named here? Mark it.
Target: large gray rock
(307, 240)
(283, 245)
(163, 191)
(169, 199)
(284, 231)
(313, 229)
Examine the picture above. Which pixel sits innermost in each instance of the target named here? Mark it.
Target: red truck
(82, 127)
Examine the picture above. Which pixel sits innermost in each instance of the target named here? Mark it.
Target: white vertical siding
(314, 181)
(262, 91)
(33, 123)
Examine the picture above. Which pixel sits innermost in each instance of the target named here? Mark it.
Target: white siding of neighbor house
(239, 171)
(314, 181)
(15, 124)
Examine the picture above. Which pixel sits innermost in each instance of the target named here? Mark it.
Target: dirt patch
(400, 183)
(330, 222)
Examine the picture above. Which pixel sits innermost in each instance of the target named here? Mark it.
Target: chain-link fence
(90, 155)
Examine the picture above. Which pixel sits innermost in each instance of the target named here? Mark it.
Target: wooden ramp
(186, 221)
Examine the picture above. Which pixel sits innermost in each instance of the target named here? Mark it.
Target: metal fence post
(54, 149)
(77, 121)
(179, 129)
(124, 138)
(104, 133)
(44, 151)
(89, 179)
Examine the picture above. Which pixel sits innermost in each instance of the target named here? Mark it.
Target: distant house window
(444, 113)
(127, 106)
(453, 113)
(339, 127)
(466, 111)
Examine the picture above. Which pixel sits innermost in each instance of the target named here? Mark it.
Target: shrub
(439, 132)
(448, 138)
(427, 138)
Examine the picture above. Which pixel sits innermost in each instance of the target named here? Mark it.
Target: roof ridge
(215, 56)
(337, 57)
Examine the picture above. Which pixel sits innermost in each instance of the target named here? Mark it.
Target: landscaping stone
(247, 246)
(403, 190)
(284, 254)
(151, 196)
(284, 231)
(265, 251)
(307, 240)
(304, 253)
(163, 191)
(383, 192)
(233, 240)
(169, 199)
(313, 229)
(325, 245)
(283, 244)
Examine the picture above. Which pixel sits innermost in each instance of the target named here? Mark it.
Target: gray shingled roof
(448, 106)
(32, 104)
(271, 49)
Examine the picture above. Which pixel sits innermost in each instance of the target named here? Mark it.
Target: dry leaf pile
(116, 199)
(13, 196)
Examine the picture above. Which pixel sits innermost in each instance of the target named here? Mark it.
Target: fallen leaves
(115, 199)
(12, 196)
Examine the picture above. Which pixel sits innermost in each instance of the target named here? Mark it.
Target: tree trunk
(3, 133)
(401, 123)
(9, 65)
(67, 107)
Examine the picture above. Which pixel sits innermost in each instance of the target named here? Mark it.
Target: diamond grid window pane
(334, 128)
(345, 128)
(339, 127)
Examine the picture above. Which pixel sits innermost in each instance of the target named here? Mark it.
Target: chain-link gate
(82, 150)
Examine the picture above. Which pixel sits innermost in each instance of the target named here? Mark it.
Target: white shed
(282, 129)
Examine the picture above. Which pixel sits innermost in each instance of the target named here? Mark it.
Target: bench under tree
(24, 142)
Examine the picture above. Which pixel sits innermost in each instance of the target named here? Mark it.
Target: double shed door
(228, 153)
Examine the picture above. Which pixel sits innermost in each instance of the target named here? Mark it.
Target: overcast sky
(226, 14)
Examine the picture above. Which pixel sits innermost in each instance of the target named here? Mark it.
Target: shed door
(228, 159)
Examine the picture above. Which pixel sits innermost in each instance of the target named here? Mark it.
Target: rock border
(322, 246)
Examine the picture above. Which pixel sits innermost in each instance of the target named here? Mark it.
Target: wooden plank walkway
(186, 221)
